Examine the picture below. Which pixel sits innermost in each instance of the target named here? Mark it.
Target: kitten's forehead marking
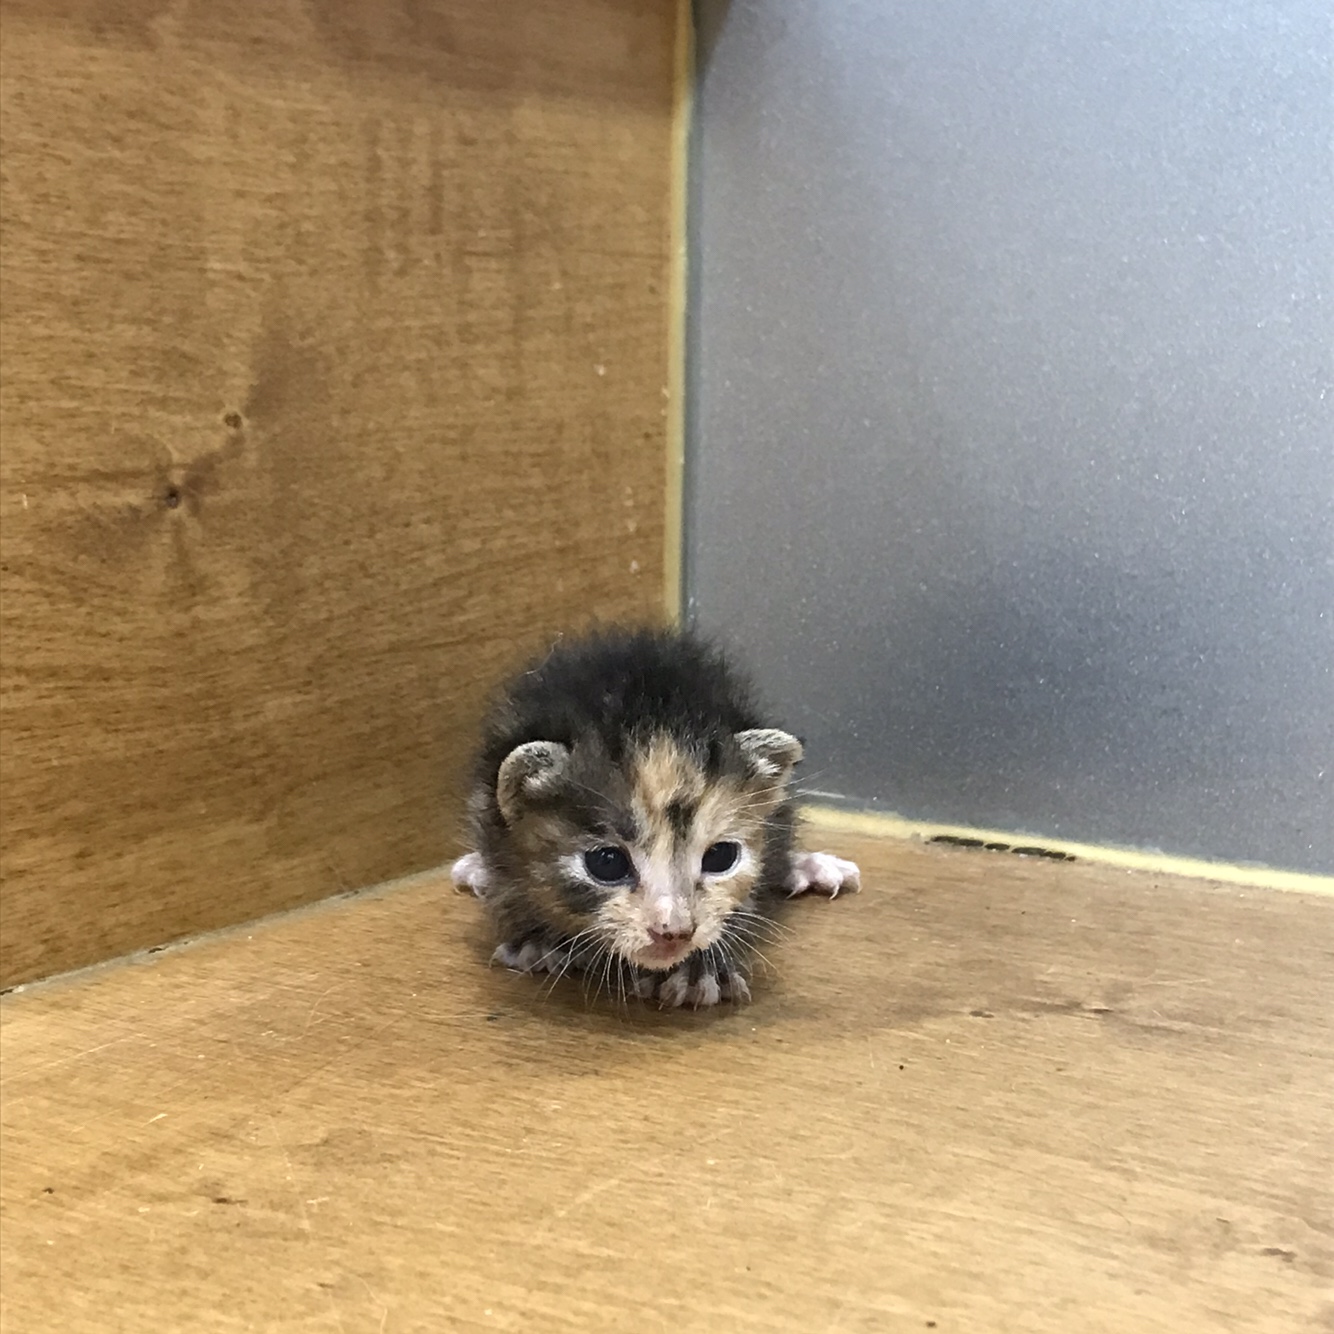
(668, 784)
(668, 780)
(681, 816)
(678, 807)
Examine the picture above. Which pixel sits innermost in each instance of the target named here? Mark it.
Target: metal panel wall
(1012, 428)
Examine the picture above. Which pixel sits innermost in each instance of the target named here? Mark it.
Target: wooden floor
(988, 1094)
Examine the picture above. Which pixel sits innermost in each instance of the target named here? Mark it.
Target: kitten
(632, 820)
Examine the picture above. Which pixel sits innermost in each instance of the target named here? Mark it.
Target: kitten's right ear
(529, 772)
(770, 755)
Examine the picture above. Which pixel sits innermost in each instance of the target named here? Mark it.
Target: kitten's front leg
(822, 873)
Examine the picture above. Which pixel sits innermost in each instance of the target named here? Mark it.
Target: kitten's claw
(531, 957)
(822, 873)
(469, 874)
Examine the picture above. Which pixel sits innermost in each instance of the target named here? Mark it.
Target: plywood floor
(985, 1095)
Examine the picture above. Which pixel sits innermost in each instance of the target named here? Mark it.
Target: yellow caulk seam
(678, 278)
(896, 826)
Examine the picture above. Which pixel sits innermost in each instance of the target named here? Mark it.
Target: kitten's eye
(610, 865)
(720, 858)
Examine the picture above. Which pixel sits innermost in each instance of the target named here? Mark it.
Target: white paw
(822, 873)
(531, 957)
(469, 874)
(734, 987)
(645, 985)
(678, 990)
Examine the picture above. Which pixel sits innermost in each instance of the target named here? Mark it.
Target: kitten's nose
(670, 937)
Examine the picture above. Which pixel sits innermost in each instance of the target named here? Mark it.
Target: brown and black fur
(647, 742)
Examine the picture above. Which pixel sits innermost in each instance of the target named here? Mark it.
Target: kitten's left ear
(770, 755)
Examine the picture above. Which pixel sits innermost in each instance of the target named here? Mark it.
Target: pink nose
(669, 937)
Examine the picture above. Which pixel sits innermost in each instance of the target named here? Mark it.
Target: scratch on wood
(310, 1018)
(68, 1060)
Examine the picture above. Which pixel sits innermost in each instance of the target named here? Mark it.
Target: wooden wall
(335, 348)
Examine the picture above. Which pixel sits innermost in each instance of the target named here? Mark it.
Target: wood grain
(985, 1093)
(335, 345)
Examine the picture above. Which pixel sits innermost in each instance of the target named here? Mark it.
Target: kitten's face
(651, 856)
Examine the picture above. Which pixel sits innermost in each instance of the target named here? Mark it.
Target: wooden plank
(985, 1094)
(335, 345)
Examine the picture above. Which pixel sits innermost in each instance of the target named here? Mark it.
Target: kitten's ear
(770, 755)
(529, 772)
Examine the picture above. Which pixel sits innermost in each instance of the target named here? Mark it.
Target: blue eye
(720, 858)
(609, 865)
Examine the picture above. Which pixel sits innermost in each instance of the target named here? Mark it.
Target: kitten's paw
(645, 985)
(531, 956)
(469, 874)
(708, 989)
(734, 987)
(677, 989)
(822, 873)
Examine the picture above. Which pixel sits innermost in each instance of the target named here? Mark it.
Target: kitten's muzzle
(666, 948)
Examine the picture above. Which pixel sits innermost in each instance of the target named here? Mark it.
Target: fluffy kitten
(631, 819)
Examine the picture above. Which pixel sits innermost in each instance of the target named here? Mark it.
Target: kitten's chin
(660, 958)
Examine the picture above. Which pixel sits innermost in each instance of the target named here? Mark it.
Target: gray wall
(1011, 443)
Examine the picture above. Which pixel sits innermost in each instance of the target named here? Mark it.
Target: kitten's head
(649, 851)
